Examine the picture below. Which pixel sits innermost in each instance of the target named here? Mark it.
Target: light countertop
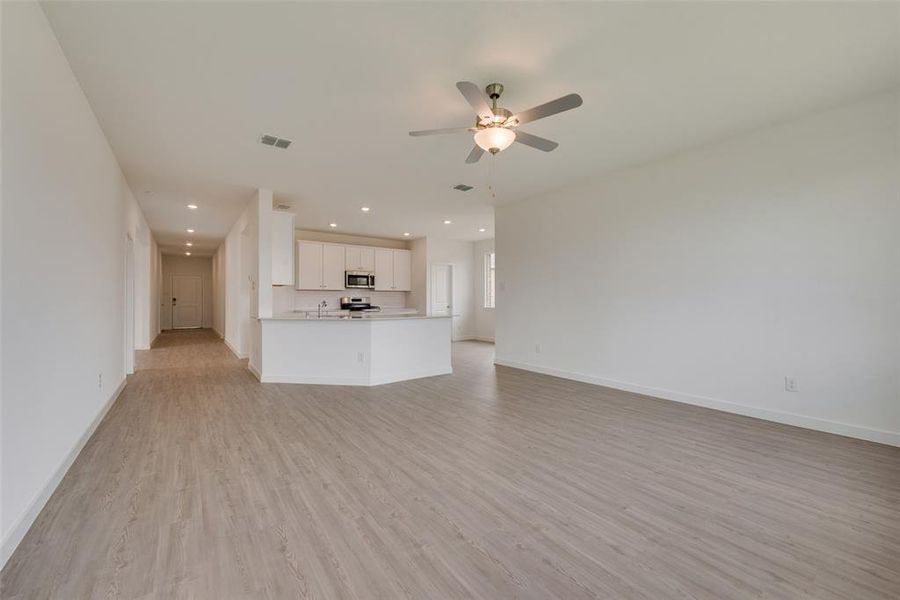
(344, 318)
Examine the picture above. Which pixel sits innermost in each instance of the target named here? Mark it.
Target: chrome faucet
(322, 304)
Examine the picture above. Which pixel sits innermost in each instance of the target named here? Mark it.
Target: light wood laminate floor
(489, 483)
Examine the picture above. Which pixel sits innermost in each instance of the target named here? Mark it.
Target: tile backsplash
(286, 299)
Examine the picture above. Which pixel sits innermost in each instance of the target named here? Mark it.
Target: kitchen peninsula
(366, 350)
(340, 312)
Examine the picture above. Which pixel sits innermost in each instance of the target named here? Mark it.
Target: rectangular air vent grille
(271, 140)
(462, 187)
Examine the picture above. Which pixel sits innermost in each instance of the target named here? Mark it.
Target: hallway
(488, 483)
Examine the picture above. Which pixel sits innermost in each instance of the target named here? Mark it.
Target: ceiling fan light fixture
(495, 139)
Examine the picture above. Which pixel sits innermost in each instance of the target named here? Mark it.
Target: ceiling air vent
(271, 140)
(462, 187)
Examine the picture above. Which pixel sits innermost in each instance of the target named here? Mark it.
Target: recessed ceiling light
(192, 243)
(187, 253)
(190, 230)
(481, 230)
(447, 221)
(192, 206)
(332, 225)
(365, 209)
(405, 234)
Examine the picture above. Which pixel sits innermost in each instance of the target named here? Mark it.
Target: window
(489, 276)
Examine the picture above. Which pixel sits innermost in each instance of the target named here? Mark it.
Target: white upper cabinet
(309, 265)
(392, 270)
(367, 259)
(360, 258)
(282, 248)
(352, 255)
(320, 266)
(384, 269)
(402, 270)
(333, 260)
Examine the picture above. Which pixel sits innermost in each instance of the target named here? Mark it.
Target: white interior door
(441, 290)
(187, 302)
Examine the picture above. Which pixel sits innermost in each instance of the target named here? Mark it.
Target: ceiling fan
(496, 128)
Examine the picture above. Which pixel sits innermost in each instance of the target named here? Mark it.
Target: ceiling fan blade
(474, 97)
(547, 109)
(474, 155)
(439, 131)
(535, 141)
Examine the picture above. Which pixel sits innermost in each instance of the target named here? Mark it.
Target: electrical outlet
(790, 384)
(100, 380)
(360, 357)
(537, 348)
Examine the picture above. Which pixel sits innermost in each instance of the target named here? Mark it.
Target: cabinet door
(333, 261)
(309, 266)
(353, 262)
(402, 270)
(384, 269)
(367, 259)
(282, 248)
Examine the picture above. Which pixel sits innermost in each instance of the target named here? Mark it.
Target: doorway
(187, 302)
(441, 290)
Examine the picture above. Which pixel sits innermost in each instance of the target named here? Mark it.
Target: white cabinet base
(365, 352)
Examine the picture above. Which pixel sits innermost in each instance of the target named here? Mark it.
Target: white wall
(418, 296)
(484, 317)
(353, 240)
(238, 258)
(711, 275)
(218, 295)
(187, 265)
(459, 254)
(67, 213)
(155, 291)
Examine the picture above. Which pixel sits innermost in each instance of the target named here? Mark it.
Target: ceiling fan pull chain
(490, 182)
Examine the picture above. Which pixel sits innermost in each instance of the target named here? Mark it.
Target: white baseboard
(233, 349)
(891, 438)
(395, 377)
(313, 380)
(483, 339)
(361, 381)
(255, 371)
(12, 539)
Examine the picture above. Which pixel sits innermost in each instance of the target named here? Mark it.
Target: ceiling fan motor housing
(493, 90)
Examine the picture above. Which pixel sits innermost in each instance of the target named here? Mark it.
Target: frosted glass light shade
(495, 139)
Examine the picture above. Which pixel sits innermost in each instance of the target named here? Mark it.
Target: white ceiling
(183, 90)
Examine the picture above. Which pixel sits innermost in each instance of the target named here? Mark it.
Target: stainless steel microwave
(359, 279)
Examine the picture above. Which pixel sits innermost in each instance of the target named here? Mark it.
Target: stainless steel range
(358, 304)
